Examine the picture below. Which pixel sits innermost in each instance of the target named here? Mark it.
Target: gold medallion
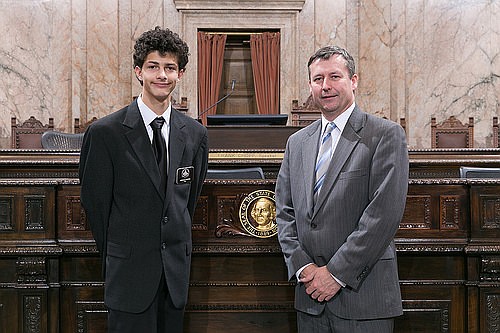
(258, 214)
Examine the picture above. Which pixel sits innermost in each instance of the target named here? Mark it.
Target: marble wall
(416, 58)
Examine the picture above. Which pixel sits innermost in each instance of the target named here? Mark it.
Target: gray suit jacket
(351, 228)
(139, 231)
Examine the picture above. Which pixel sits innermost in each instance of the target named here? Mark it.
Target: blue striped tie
(324, 156)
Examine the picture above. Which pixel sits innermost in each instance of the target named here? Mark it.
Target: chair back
(27, 135)
(479, 172)
(451, 133)
(60, 140)
(304, 114)
(80, 128)
(496, 133)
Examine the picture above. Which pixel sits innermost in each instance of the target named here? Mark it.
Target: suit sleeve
(201, 166)
(96, 181)
(295, 256)
(379, 222)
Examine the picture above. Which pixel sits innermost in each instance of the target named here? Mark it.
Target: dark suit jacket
(352, 226)
(140, 231)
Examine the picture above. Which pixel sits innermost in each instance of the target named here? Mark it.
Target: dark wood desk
(448, 249)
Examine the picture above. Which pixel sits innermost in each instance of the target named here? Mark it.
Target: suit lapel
(176, 145)
(309, 161)
(137, 136)
(347, 142)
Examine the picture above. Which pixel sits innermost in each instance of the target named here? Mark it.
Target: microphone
(233, 82)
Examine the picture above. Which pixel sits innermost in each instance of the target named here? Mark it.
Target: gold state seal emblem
(258, 214)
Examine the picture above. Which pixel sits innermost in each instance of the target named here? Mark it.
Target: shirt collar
(148, 115)
(340, 121)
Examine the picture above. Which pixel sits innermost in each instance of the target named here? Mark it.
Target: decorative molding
(186, 5)
(34, 213)
(261, 307)
(74, 209)
(79, 248)
(449, 206)
(18, 249)
(232, 249)
(34, 178)
(402, 247)
(490, 211)
(241, 284)
(432, 282)
(482, 249)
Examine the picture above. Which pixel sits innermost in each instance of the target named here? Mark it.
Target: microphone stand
(233, 82)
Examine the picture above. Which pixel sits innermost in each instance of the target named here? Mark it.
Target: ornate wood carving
(450, 212)
(31, 270)
(34, 212)
(75, 215)
(448, 249)
(490, 268)
(200, 220)
(227, 217)
(493, 313)
(32, 309)
(490, 211)
(6, 213)
(417, 213)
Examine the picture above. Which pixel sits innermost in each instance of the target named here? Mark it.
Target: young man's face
(159, 75)
(331, 88)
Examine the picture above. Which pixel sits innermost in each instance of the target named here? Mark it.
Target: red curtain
(265, 52)
(210, 61)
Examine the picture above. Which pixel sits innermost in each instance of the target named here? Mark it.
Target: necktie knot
(329, 128)
(157, 123)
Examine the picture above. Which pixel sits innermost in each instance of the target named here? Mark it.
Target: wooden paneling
(50, 272)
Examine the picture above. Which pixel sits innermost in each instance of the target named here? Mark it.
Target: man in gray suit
(141, 173)
(340, 196)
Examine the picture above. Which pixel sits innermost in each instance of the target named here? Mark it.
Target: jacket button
(313, 225)
(165, 219)
(163, 246)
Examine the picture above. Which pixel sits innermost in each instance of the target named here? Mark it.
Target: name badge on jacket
(184, 175)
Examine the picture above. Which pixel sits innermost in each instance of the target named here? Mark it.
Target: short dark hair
(164, 41)
(328, 51)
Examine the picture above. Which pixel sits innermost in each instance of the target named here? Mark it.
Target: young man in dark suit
(340, 195)
(139, 190)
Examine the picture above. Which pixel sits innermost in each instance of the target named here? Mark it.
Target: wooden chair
(451, 133)
(28, 135)
(182, 106)
(80, 128)
(305, 114)
(402, 122)
(496, 133)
